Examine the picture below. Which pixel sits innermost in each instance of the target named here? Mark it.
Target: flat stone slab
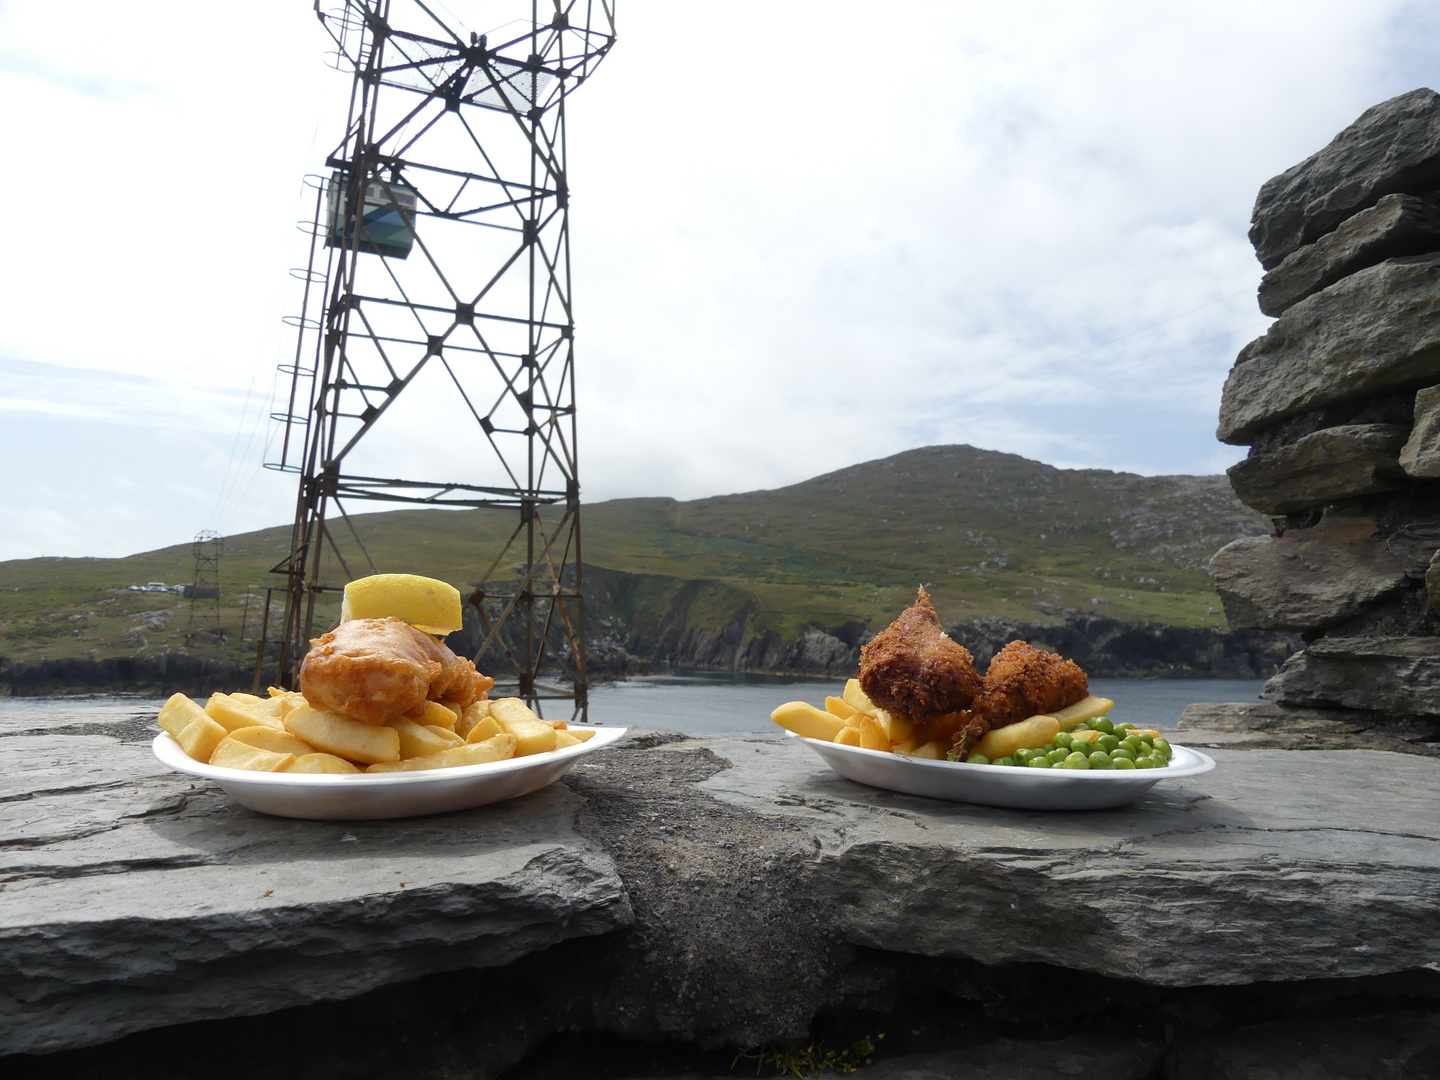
(1336, 463)
(1396, 225)
(746, 876)
(1275, 866)
(1307, 579)
(1235, 725)
(1392, 147)
(1399, 675)
(1371, 333)
(132, 897)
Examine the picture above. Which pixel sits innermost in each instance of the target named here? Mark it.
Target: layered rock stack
(1339, 403)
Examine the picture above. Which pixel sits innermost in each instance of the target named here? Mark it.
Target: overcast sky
(805, 235)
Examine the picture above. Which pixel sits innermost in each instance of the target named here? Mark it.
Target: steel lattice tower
(206, 586)
(439, 264)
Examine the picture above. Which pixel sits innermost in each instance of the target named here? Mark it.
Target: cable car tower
(436, 336)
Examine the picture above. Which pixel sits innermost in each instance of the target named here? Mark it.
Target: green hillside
(987, 533)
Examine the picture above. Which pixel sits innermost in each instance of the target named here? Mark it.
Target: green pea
(1133, 743)
(1004, 761)
(1162, 746)
(1146, 762)
(1065, 739)
(1083, 725)
(1158, 760)
(1023, 755)
(1146, 745)
(1101, 760)
(1077, 760)
(977, 759)
(1103, 725)
(1107, 742)
(1056, 756)
(1127, 726)
(1038, 763)
(1121, 753)
(1124, 763)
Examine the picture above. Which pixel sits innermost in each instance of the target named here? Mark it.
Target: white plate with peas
(1062, 783)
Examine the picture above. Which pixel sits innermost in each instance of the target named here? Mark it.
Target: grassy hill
(989, 534)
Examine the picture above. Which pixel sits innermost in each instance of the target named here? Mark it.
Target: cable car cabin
(387, 221)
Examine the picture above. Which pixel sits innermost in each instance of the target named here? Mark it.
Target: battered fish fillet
(1023, 681)
(913, 669)
(372, 670)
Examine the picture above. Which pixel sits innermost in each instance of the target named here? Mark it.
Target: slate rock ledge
(720, 892)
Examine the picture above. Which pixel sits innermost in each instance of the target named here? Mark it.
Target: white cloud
(804, 235)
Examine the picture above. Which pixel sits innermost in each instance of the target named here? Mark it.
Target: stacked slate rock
(1339, 403)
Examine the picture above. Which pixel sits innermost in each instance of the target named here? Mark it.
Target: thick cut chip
(470, 716)
(873, 735)
(200, 737)
(1084, 709)
(487, 728)
(320, 763)
(807, 721)
(934, 750)
(842, 708)
(848, 736)
(498, 748)
(177, 713)
(349, 739)
(1026, 735)
(582, 734)
(234, 754)
(856, 698)
(532, 735)
(426, 604)
(449, 737)
(434, 714)
(236, 711)
(416, 741)
(564, 739)
(277, 741)
(900, 728)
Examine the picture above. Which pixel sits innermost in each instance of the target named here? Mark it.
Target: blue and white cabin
(387, 220)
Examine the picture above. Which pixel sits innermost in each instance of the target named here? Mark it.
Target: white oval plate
(362, 796)
(1000, 785)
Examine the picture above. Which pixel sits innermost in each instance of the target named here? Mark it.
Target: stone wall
(1339, 402)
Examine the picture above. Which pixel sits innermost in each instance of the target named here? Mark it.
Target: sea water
(694, 703)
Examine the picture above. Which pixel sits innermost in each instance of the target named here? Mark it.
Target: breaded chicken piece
(374, 669)
(912, 668)
(1023, 681)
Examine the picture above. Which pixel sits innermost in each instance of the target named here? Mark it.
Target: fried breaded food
(1023, 681)
(374, 669)
(913, 668)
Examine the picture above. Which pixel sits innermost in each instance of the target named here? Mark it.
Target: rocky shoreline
(1106, 648)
